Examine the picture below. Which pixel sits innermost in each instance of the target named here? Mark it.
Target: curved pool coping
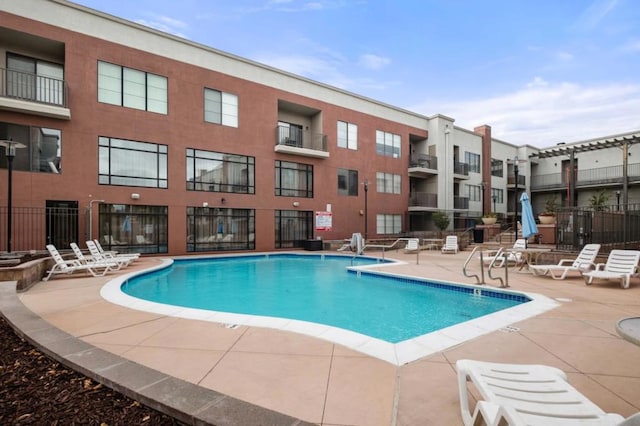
(397, 354)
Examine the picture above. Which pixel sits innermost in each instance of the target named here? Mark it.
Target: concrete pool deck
(295, 376)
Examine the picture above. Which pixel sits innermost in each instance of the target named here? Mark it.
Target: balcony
(423, 201)
(423, 165)
(291, 140)
(460, 203)
(511, 181)
(33, 94)
(612, 175)
(460, 170)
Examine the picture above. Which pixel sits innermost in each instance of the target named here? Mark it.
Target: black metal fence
(613, 227)
(35, 227)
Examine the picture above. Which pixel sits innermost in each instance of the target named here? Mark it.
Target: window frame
(347, 135)
(228, 162)
(107, 151)
(349, 180)
(302, 174)
(148, 92)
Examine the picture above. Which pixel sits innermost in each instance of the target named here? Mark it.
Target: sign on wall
(324, 221)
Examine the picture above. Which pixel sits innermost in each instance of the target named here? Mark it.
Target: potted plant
(548, 216)
(489, 218)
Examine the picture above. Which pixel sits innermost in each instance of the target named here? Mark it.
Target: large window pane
(133, 228)
(43, 152)
(219, 172)
(215, 229)
(109, 83)
(131, 163)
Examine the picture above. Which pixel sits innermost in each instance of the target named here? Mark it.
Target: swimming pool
(381, 314)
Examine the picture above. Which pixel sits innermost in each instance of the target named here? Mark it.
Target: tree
(441, 219)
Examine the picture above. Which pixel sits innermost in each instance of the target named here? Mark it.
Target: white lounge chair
(583, 263)
(111, 253)
(621, 265)
(91, 260)
(70, 266)
(120, 261)
(525, 395)
(356, 244)
(413, 245)
(510, 258)
(450, 244)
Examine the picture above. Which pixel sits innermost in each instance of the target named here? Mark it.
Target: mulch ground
(36, 390)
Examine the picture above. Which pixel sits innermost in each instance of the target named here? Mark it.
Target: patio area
(320, 382)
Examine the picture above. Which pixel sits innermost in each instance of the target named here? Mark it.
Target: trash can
(478, 235)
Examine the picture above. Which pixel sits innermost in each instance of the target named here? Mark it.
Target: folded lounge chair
(450, 244)
(67, 267)
(583, 263)
(621, 265)
(525, 395)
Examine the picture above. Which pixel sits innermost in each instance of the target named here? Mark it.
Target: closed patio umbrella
(529, 226)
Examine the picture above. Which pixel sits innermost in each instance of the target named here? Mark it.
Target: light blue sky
(537, 71)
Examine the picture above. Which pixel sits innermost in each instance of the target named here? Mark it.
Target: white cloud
(165, 24)
(543, 114)
(594, 14)
(373, 62)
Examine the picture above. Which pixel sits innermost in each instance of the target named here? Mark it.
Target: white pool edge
(396, 354)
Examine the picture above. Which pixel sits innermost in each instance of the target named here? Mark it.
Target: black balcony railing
(423, 199)
(33, 88)
(461, 168)
(461, 203)
(587, 177)
(511, 180)
(297, 138)
(424, 161)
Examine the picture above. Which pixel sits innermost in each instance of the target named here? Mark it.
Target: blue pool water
(319, 289)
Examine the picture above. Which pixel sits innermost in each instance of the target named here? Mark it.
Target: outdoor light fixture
(296, 204)
(205, 204)
(10, 147)
(135, 196)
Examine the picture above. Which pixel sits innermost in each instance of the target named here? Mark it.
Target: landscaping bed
(36, 390)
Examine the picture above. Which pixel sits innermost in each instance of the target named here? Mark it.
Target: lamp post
(10, 147)
(366, 206)
(493, 197)
(618, 199)
(483, 185)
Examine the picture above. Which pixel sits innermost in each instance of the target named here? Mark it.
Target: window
(131, 88)
(473, 160)
(33, 79)
(347, 182)
(214, 229)
(496, 167)
(347, 135)
(388, 224)
(294, 179)
(388, 182)
(220, 108)
(133, 228)
(124, 162)
(43, 152)
(498, 194)
(292, 227)
(220, 172)
(388, 144)
(475, 192)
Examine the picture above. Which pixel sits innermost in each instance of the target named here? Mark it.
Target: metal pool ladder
(480, 278)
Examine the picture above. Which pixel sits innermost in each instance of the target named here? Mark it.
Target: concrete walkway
(278, 377)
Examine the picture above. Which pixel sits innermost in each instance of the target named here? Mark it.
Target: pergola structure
(622, 141)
